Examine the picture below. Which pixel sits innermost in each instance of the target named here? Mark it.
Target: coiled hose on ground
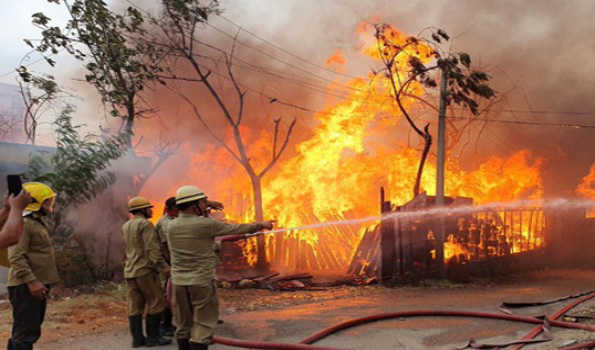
(415, 313)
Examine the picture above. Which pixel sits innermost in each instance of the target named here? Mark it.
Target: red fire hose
(384, 316)
(535, 331)
(305, 344)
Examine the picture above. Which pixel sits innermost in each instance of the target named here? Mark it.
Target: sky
(16, 21)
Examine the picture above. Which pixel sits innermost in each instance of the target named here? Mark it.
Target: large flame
(336, 173)
(587, 188)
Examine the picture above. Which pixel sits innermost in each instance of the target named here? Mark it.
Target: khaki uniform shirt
(161, 228)
(190, 240)
(33, 257)
(143, 254)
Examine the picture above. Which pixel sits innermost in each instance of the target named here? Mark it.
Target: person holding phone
(11, 218)
(32, 269)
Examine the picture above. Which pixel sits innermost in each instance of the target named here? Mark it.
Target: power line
(350, 76)
(285, 50)
(302, 108)
(271, 56)
(503, 121)
(318, 88)
(258, 69)
(526, 122)
(546, 112)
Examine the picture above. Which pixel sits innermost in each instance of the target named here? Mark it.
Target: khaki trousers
(196, 312)
(145, 292)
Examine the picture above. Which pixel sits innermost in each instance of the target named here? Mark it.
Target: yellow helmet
(40, 192)
(186, 194)
(137, 203)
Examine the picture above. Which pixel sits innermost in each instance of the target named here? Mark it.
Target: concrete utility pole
(440, 172)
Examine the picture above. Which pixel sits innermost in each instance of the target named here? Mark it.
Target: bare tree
(179, 26)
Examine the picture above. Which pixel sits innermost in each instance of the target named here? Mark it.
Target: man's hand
(267, 225)
(38, 289)
(215, 205)
(21, 201)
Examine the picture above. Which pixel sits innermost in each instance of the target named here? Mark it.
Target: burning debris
(406, 247)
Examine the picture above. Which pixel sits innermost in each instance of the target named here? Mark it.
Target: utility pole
(440, 172)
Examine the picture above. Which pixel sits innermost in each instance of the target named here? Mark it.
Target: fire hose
(535, 331)
(385, 316)
(307, 343)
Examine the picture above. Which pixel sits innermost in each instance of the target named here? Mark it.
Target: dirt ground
(98, 320)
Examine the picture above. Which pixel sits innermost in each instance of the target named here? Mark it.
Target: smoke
(538, 53)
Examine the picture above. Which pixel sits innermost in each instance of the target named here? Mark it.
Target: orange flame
(587, 188)
(336, 173)
(336, 58)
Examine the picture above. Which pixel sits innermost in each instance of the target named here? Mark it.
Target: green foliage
(191, 11)
(118, 60)
(77, 171)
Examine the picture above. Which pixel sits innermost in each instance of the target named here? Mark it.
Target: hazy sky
(16, 23)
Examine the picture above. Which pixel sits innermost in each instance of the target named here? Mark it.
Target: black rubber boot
(198, 346)
(183, 344)
(20, 346)
(136, 329)
(153, 336)
(167, 329)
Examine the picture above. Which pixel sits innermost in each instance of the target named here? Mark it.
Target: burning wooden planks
(365, 261)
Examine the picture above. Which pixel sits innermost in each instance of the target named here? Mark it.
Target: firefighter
(169, 213)
(191, 238)
(32, 269)
(142, 267)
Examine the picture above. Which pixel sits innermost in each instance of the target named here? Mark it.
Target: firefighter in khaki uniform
(32, 269)
(141, 271)
(191, 238)
(170, 212)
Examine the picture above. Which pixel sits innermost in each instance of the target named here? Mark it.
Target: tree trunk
(258, 216)
(422, 161)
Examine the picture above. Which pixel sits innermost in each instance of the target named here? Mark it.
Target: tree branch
(285, 143)
(229, 63)
(204, 123)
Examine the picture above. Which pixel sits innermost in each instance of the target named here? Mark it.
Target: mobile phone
(15, 186)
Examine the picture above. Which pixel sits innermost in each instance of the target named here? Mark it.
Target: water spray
(558, 203)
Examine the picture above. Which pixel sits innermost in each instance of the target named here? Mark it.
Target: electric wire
(258, 69)
(315, 88)
(525, 122)
(271, 44)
